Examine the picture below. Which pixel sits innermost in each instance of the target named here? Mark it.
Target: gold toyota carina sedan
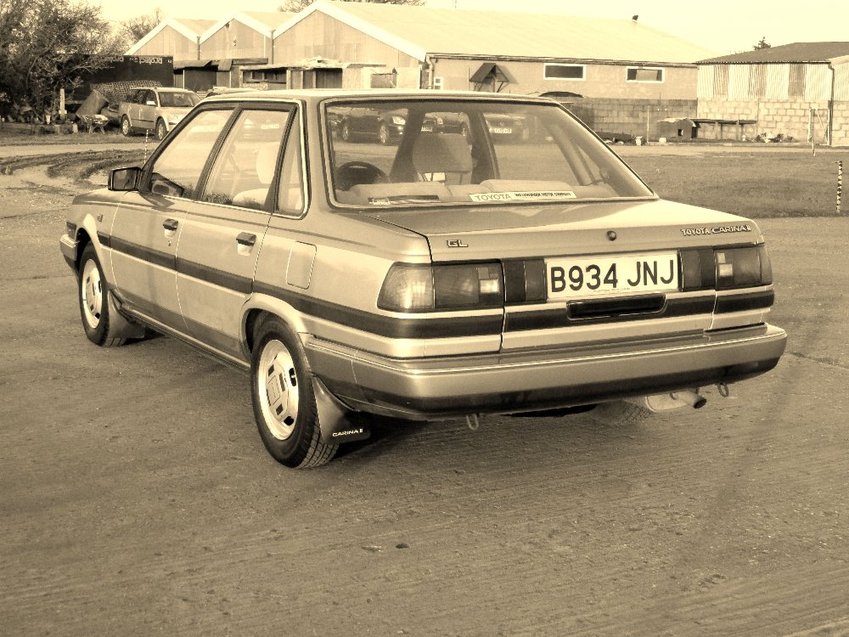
(455, 272)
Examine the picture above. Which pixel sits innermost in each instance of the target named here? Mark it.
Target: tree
(297, 5)
(136, 28)
(762, 44)
(46, 45)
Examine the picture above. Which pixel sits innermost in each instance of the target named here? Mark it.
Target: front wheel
(126, 129)
(284, 400)
(94, 301)
(161, 130)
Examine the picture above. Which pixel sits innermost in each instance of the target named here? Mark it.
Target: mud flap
(118, 322)
(334, 419)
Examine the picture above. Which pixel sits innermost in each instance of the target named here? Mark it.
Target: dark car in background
(387, 127)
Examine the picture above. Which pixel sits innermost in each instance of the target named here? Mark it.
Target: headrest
(442, 152)
(266, 161)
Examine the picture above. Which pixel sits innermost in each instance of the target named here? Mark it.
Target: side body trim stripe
(432, 328)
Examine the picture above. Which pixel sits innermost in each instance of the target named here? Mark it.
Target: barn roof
(419, 31)
(796, 53)
(263, 22)
(189, 28)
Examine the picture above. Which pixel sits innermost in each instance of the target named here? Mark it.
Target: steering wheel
(352, 173)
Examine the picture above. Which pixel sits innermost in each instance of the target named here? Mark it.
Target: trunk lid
(508, 232)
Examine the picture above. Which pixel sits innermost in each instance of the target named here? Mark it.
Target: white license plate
(501, 130)
(582, 277)
(427, 128)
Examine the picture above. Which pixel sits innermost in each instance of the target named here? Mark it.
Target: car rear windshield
(389, 153)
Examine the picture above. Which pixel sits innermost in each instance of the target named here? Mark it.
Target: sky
(724, 26)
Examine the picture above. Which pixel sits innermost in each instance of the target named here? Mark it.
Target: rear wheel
(94, 301)
(161, 129)
(126, 129)
(283, 398)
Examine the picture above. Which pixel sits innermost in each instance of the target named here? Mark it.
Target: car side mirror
(124, 179)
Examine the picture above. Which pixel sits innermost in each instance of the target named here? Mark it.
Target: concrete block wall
(840, 124)
(633, 116)
(787, 117)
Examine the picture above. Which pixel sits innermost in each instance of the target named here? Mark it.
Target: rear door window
(246, 165)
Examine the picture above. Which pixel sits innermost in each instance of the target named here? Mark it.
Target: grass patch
(759, 184)
(16, 134)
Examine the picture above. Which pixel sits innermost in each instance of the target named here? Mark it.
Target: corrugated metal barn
(797, 90)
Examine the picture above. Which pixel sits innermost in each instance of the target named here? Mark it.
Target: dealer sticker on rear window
(537, 195)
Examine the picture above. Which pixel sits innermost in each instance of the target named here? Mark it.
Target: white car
(156, 109)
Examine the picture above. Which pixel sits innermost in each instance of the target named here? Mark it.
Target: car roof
(318, 95)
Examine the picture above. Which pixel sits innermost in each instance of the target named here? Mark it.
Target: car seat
(266, 162)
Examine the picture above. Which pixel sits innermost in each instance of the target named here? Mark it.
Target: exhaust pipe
(672, 400)
(691, 398)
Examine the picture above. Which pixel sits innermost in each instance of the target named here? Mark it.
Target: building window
(643, 74)
(438, 83)
(564, 71)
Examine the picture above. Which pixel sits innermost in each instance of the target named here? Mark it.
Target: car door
(129, 106)
(147, 109)
(148, 222)
(223, 231)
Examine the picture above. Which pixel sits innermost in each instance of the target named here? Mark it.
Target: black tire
(126, 129)
(92, 293)
(283, 398)
(161, 129)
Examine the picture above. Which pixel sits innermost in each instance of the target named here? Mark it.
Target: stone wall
(632, 116)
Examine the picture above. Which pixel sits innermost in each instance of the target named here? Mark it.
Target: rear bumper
(531, 380)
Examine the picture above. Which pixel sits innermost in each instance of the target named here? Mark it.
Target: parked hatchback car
(156, 109)
(443, 277)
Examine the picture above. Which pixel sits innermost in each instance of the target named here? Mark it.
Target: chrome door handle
(170, 224)
(246, 239)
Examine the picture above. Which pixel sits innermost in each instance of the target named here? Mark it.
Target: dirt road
(136, 497)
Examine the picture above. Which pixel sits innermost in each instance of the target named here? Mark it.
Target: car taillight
(725, 268)
(422, 288)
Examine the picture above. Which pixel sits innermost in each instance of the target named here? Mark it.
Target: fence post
(839, 184)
